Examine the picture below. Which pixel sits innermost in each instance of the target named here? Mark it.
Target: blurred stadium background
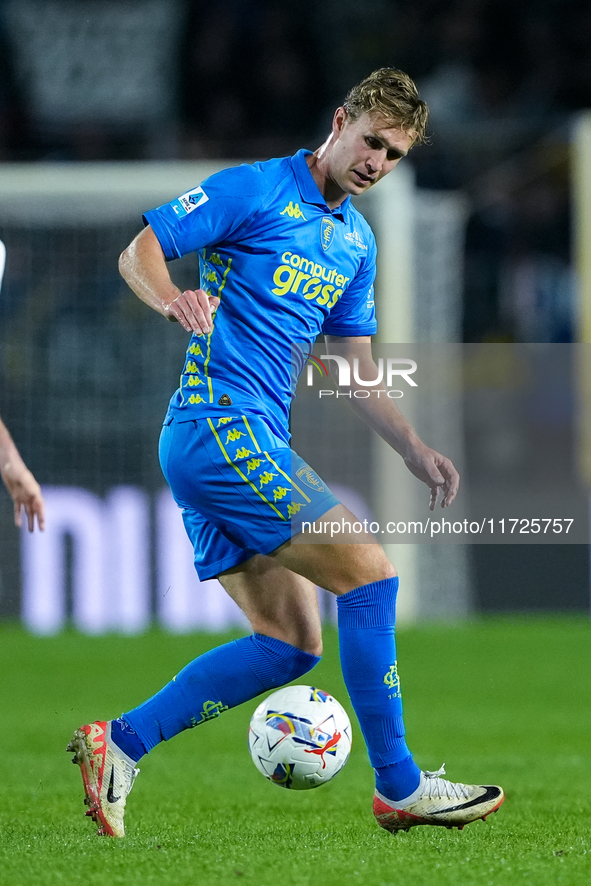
(109, 107)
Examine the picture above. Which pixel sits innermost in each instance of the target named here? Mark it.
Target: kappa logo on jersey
(293, 211)
(356, 239)
(186, 203)
(327, 229)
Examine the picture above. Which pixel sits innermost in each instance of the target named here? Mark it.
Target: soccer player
(283, 256)
(21, 484)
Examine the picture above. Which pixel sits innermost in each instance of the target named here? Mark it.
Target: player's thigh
(276, 601)
(242, 478)
(355, 560)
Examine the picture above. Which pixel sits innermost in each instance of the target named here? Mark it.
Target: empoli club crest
(392, 680)
(310, 478)
(327, 229)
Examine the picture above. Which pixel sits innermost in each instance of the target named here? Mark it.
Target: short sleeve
(354, 313)
(209, 213)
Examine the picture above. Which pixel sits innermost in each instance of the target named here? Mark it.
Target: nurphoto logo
(387, 371)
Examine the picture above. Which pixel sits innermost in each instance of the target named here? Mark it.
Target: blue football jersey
(286, 268)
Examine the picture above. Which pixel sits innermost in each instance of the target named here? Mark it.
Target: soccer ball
(299, 737)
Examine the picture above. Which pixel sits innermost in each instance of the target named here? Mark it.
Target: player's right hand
(193, 309)
(25, 493)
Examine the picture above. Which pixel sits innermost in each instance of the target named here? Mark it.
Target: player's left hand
(437, 472)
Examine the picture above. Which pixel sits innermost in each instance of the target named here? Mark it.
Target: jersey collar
(309, 189)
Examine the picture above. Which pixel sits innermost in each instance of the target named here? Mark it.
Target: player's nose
(374, 164)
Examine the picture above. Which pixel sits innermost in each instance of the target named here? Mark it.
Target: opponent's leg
(366, 585)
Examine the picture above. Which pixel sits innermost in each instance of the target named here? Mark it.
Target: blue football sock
(220, 679)
(127, 739)
(366, 617)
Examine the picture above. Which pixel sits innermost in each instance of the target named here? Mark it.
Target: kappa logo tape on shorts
(242, 489)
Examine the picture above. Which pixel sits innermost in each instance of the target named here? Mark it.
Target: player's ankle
(399, 780)
(127, 739)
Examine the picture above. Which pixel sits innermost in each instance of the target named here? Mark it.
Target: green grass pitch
(501, 700)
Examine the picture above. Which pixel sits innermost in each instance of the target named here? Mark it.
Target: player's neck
(320, 172)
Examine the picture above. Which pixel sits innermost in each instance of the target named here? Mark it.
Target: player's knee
(388, 570)
(313, 647)
(307, 640)
(302, 638)
(290, 660)
(368, 571)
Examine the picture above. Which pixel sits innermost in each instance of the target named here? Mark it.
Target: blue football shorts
(241, 488)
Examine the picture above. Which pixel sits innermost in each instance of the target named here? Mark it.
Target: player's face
(365, 150)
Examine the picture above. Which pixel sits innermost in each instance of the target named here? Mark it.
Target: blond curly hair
(393, 95)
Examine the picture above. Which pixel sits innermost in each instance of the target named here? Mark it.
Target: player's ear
(338, 121)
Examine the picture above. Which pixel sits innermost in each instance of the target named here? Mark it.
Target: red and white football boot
(108, 775)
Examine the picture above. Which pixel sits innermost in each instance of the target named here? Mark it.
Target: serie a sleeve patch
(188, 202)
